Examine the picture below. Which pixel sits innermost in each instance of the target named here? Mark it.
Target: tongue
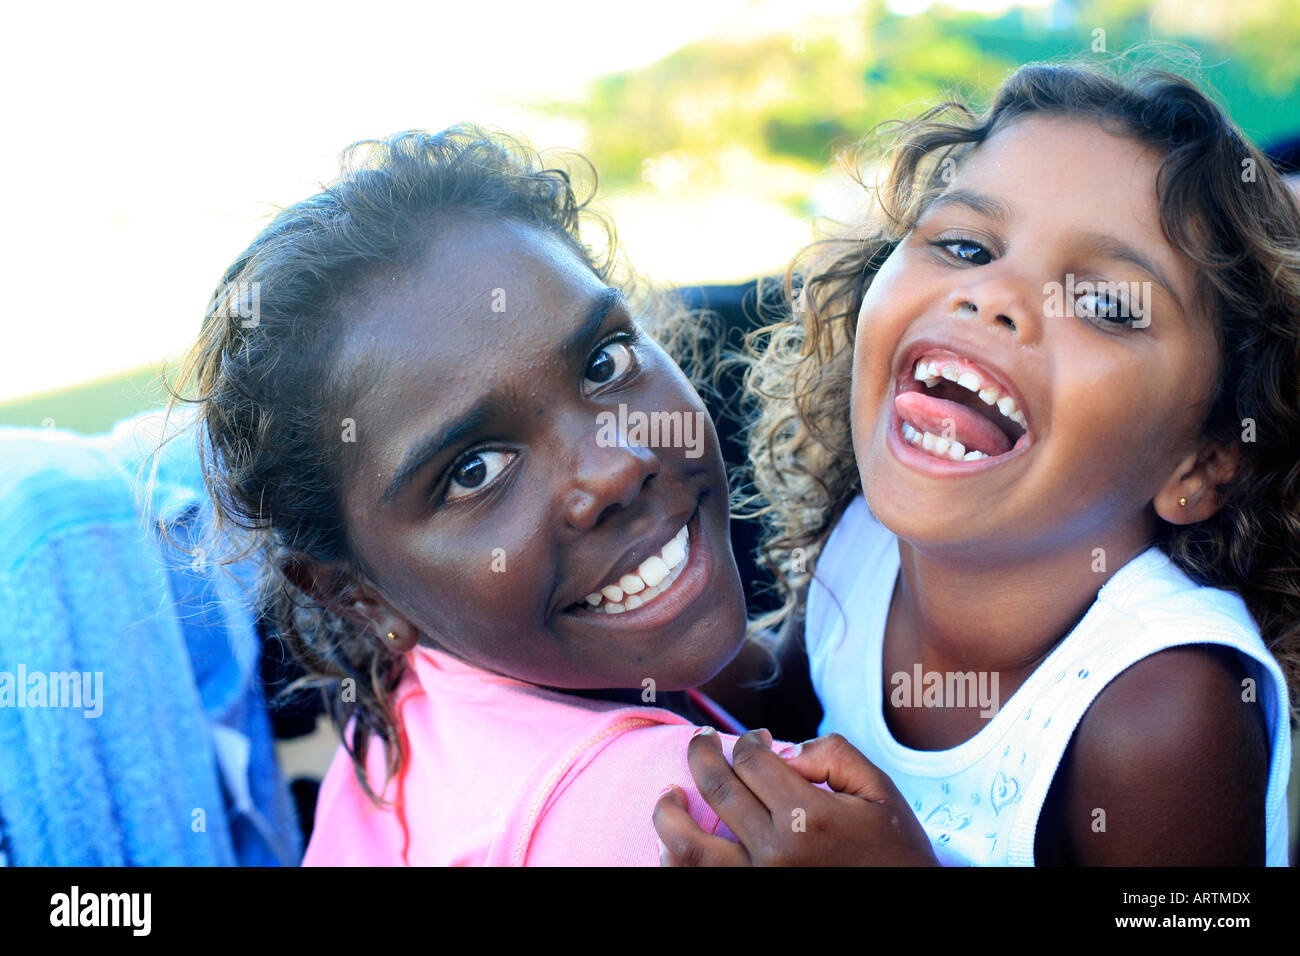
(948, 419)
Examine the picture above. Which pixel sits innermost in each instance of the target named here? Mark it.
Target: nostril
(1010, 322)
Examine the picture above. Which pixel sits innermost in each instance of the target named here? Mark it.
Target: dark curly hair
(269, 393)
(1242, 234)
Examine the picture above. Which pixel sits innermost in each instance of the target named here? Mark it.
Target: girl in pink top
(489, 506)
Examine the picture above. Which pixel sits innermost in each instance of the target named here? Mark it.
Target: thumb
(834, 761)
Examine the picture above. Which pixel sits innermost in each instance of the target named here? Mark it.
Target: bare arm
(1168, 767)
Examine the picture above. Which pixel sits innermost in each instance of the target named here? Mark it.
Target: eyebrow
(987, 206)
(1114, 248)
(1109, 246)
(495, 404)
(576, 343)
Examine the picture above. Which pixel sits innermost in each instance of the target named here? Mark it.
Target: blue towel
(178, 766)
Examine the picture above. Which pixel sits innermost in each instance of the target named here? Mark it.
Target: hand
(781, 819)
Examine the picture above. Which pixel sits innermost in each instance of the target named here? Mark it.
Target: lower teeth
(939, 447)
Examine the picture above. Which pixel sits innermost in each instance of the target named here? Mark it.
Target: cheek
(1118, 429)
(882, 322)
(453, 582)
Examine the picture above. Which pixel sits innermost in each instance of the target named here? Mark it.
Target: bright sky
(145, 143)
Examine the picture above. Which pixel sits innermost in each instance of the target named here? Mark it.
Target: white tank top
(979, 801)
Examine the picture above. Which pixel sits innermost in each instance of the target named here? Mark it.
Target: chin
(709, 655)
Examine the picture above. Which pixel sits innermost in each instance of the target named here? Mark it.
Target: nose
(606, 477)
(1002, 300)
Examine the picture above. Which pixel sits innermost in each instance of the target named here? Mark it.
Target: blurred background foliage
(716, 161)
(799, 95)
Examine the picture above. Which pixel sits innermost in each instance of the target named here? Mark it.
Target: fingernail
(663, 853)
(704, 730)
(666, 790)
(789, 753)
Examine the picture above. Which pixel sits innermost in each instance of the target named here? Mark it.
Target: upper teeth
(930, 372)
(652, 578)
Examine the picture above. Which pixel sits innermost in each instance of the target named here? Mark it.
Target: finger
(777, 785)
(725, 792)
(683, 843)
(834, 761)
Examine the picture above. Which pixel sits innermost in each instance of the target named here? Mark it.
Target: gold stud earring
(392, 636)
(1182, 503)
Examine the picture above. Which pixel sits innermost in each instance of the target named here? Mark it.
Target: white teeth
(654, 576)
(930, 373)
(925, 373)
(653, 570)
(939, 446)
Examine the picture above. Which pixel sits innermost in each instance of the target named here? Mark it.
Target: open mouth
(953, 410)
(647, 582)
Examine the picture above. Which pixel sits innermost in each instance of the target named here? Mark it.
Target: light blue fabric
(179, 767)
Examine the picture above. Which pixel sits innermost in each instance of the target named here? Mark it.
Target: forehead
(475, 282)
(1070, 163)
(483, 307)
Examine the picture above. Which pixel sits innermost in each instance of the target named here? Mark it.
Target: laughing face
(496, 518)
(1032, 366)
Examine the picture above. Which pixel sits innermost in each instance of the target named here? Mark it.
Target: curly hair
(1243, 234)
(268, 392)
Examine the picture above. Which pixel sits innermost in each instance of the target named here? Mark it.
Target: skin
(1116, 416)
(567, 515)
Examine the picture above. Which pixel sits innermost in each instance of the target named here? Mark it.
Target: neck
(960, 613)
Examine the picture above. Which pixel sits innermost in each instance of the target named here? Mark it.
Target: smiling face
(1092, 412)
(487, 495)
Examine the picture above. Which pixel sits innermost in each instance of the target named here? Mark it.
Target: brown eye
(609, 363)
(476, 472)
(967, 251)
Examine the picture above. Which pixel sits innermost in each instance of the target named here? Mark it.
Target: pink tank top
(504, 773)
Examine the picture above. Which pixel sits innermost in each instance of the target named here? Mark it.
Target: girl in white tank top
(1028, 447)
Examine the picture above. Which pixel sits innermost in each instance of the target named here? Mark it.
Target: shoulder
(1169, 765)
(350, 829)
(601, 814)
(1160, 599)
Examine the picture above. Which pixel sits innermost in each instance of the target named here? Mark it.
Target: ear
(338, 589)
(1192, 492)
